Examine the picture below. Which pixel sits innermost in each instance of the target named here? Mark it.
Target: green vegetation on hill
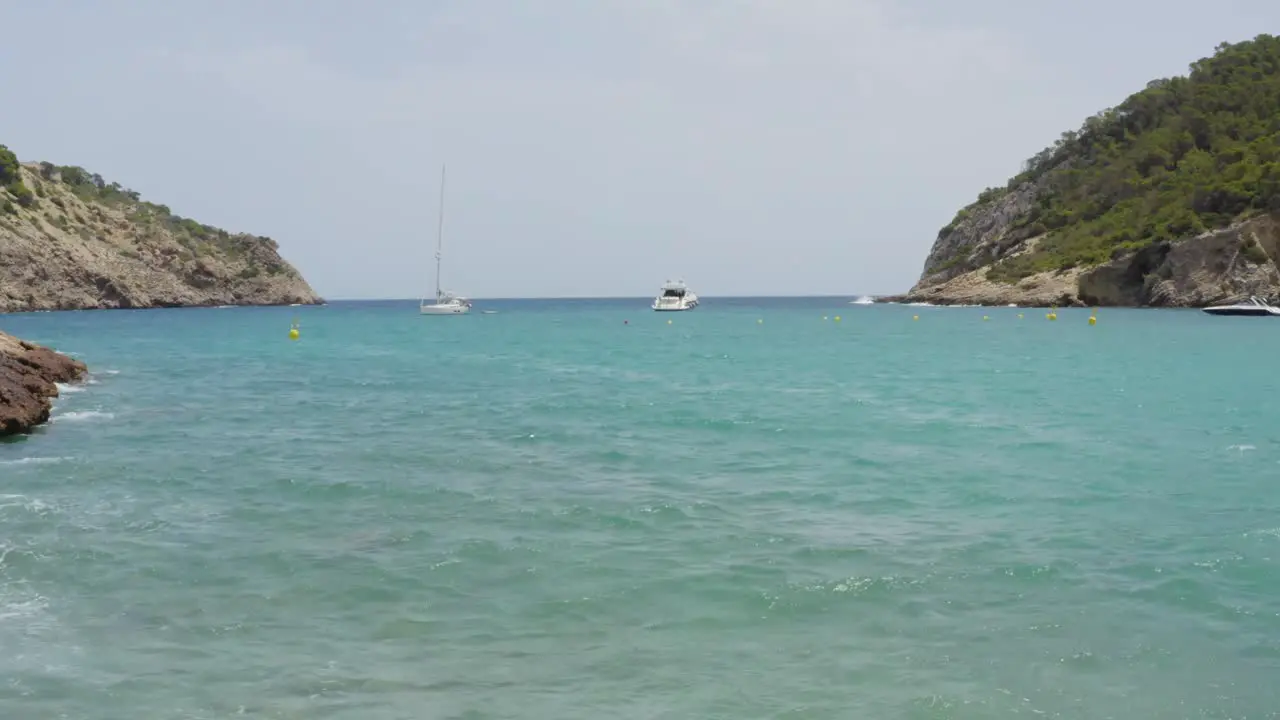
(70, 239)
(1184, 155)
(11, 182)
(91, 188)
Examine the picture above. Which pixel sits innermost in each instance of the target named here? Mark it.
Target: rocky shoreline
(1217, 266)
(1047, 290)
(29, 374)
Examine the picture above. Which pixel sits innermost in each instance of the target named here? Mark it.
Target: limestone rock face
(75, 242)
(1219, 266)
(1226, 265)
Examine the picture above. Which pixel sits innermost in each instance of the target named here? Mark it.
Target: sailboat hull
(444, 309)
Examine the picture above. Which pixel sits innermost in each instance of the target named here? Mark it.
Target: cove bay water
(550, 513)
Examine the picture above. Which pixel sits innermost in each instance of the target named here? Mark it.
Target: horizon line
(607, 297)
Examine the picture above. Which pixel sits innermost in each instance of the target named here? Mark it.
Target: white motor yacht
(1252, 307)
(674, 296)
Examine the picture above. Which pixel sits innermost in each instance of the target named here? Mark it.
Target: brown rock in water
(28, 373)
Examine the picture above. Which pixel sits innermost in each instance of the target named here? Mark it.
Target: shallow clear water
(575, 510)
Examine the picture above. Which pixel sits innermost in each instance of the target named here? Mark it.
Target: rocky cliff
(28, 377)
(1219, 266)
(1170, 199)
(70, 240)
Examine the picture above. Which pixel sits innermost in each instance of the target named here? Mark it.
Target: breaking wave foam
(83, 416)
(34, 460)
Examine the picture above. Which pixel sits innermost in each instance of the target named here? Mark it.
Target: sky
(594, 147)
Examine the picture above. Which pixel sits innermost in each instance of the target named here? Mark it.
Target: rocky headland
(29, 374)
(1171, 199)
(70, 240)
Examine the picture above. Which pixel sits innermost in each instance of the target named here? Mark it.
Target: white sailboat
(446, 303)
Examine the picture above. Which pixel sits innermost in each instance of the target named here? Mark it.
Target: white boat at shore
(675, 296)
(1253, 307)
(446, 303)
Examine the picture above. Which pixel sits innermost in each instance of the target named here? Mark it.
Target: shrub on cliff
(8, 166)
(1184, 155)
(22, 194)
(11, 180)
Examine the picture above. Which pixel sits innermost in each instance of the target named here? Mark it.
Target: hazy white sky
(595, 147)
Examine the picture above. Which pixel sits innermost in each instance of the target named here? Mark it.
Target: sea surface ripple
(573, 509)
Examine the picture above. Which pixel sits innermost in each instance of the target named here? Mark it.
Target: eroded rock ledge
(1219, 266)
(29, 374)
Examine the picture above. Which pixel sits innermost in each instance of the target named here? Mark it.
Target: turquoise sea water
(549, 512)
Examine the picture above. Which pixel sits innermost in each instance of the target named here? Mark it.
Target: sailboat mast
(440, 233)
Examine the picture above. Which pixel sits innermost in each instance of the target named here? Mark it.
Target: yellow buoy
(1093, 320)
(837, 318)
(915, 317)
(293, 333)
(1019, 316)
(985, 318)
